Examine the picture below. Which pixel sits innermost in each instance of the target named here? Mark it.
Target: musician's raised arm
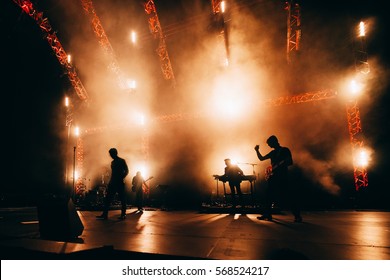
(259, 155)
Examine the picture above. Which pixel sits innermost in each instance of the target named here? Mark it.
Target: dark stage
(206, 234)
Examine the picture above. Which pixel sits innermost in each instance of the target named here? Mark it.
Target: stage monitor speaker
(58, 219)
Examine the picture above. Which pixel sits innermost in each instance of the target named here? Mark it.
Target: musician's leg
(240, 194)
(233, 194)
(294, 203)
(139, 195)
(269, 199)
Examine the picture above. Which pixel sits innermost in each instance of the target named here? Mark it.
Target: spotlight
(223, 6)
(66, 101)
(362, 29)
(133, 37)
(355, 87)
(362, 157)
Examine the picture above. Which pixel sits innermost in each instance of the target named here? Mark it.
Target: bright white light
(362, 29)
(132, 84)
(66, 101)
(230, 97)
(362, 158)
(133, 37)
(143, 169)
(141, 119)
(69, 58)
(77, 131)
(234, 157)
(229, 104)
(223, 6)
(355, 88)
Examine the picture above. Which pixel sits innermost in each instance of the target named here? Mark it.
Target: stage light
(355, 87)
(143, 169)
(223, 6)
(362, 157)
(137, 118)
(362, 29)
(132, 84)
(227, 98)
(141, 119)
(69, 59)
(352, 87)
(66, 101)
(77, 131)
(133, 37)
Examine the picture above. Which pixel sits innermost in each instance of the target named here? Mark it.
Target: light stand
(74, 173)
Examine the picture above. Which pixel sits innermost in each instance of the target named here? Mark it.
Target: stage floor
(159, 234)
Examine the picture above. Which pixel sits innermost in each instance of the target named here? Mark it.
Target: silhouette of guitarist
(277, 177)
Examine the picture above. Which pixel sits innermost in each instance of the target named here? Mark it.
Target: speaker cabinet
(58, 219)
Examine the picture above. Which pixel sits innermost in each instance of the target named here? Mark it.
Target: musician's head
(228, 161)
(113, 152)
(273, 141)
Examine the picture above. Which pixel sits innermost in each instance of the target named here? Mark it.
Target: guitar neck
(150, 178)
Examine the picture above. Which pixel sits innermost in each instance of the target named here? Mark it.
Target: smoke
(319, 171)
(226, 116)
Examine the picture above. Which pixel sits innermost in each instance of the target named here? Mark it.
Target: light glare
(141, 119)
(77, 131)
(132, 84)
(66, 101)
(223, 6)
(133, 37)
(355, 88)
(362, 29)
(362, 158)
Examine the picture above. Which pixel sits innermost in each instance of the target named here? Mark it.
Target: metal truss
(56, 46)
(356, 139)
(293, 28)
(104, 42)
(156, 30)
(222, 34)
(302, 98)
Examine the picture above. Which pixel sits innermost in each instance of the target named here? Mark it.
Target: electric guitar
(133, 188)
(145, 187)
(269, 170)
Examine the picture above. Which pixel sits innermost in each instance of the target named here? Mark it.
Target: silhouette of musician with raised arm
(278, 189)
(119, 171)
(233, 175)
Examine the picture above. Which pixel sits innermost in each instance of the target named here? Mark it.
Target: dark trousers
(282, 194)
(235, 188)
(270, 198)
(139, 198)
(111, 191)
